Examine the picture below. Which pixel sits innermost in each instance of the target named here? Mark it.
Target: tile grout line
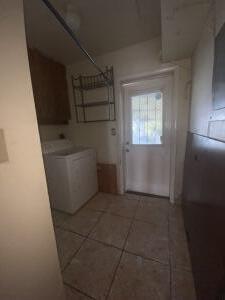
(118, 248)
(113, 214)
(122, 252)
(148, 258)
(114, 275)
(68, 264)
(85, 238)
(72, 257)
(99, 219)
(111, 245)
(72, 231)
(118, 215)
(79, 291)
(176, 267)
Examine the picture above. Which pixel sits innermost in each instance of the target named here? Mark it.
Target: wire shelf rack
(94, 97)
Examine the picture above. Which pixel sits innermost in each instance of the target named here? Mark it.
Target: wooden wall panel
(107, 178)
(204, 213)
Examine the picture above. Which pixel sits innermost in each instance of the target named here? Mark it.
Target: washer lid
(49, 147)
(71, 151)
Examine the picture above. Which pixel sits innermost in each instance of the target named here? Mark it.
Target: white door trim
(174, 71)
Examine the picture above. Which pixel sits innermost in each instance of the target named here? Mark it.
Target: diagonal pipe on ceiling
(73, 36)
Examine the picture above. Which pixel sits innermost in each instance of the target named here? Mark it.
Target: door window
(147, 119)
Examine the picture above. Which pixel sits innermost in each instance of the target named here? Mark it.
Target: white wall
(202, 74)
(52, 132)
(29, 263)
(127, 62)
(131, 62)
(98, 135)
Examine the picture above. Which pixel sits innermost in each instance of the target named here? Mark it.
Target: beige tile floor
(124, 247)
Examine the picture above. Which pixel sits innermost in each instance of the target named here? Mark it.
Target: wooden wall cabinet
(49, 88)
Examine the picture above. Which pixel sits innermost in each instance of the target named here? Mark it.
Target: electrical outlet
(3, 149)
(113, 131)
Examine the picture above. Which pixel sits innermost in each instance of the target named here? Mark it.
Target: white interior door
(147, 115)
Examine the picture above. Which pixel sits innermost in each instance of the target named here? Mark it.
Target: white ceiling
(106, 25)
(182, 25)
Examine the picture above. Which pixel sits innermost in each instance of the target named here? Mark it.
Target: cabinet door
(61, 103)
(38, 77)
(49, 88)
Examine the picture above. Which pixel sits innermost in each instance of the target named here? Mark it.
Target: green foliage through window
(147, 119)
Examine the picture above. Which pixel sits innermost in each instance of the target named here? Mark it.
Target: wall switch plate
(3, 150)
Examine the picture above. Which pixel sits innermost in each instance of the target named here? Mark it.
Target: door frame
(170, 71)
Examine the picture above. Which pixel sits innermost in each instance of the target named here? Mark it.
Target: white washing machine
(71, 174)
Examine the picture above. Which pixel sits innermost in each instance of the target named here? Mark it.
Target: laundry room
(99, 105)
(95, 117)
(79, 97)
(62, 106)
